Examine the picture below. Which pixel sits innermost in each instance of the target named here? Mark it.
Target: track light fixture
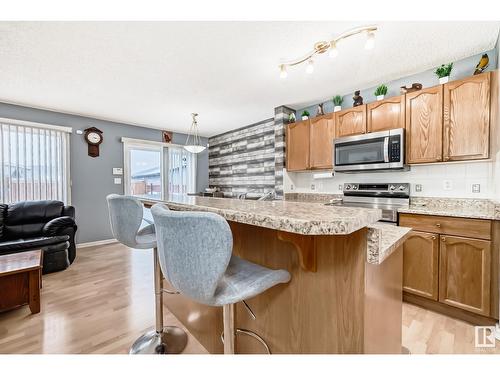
(331, 47)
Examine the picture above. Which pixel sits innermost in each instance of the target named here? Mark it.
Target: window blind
(34, 163)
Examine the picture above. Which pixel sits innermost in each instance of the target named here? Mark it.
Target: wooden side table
(21, 280)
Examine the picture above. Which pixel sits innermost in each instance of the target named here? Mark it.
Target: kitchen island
(345, 295)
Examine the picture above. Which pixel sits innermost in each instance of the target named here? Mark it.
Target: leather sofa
(46, 225)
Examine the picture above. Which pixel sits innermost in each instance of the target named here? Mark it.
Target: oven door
(362, 152)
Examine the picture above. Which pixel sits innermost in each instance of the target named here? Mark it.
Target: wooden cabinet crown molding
(386, 114)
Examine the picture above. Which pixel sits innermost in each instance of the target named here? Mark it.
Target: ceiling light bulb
(334, 52)
(283, 72)
(370, 40)
(310, 66)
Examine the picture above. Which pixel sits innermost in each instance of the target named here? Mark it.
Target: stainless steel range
(387, 197)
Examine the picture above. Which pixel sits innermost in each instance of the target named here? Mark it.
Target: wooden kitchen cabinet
(297, 146)
(386, 114)
(466, 118)
(321, 142)
(350, 121)
(424, 125)
(465, 272)
(420, 264)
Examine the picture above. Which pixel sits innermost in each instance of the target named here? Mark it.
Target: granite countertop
(383, 240)
(456, 207)
(295, 217)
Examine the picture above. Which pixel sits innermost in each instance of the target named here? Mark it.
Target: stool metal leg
(229, 331)
(163, 340)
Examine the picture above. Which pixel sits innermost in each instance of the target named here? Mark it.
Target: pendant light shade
(193, 143)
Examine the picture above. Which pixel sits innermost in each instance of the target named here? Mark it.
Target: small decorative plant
(443, 72)
(337, 102)
(380, 92)
(305, 115)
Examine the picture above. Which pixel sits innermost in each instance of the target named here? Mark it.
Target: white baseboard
(95, 243)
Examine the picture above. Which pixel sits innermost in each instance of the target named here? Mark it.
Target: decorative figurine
(413, 87)
(482, 64)
(358, 99)
(291, 118)
(167, 136)
(319, 110)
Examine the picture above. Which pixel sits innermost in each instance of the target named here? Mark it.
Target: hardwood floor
(101, 304)
(104, 301)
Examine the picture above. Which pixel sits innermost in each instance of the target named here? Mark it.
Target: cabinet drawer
(474, 228)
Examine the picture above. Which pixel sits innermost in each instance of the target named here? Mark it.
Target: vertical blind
(181, 171)
(33, 163)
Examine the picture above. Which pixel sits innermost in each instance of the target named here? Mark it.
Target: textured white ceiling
(156, 73)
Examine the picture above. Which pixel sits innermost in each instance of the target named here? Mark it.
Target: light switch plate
(418, 188)
(118, 171)
(447, 185)
(476, 188)
(313, 187)
(118, 180)
(341, 187)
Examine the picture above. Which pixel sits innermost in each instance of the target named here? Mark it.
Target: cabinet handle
(438, 225)
(438, 159)
(433, 237)
(443, 239)
(446, 158)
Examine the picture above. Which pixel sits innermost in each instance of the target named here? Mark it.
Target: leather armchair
(46, 225)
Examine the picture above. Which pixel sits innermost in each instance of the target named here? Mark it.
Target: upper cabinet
(297, 146)
(386, 114)
(466, 110)
(321, 141)
(350, 121)
(424, 125)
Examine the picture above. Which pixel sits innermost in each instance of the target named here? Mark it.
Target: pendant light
(195, 146)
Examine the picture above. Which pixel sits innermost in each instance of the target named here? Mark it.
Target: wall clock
(93, 137)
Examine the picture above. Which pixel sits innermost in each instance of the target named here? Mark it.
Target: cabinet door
(420, 264)
(350, 121)
(386, 114)
(297, 146)
(464, 274)
(467, 118)
(424, 125)
(321, 145)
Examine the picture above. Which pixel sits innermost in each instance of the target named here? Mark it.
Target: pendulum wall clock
(93, 137)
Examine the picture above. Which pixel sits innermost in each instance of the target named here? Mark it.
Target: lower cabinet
(465, 273)
(452, 270)
(420, 264)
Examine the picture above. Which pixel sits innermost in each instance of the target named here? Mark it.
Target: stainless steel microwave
(373, 151)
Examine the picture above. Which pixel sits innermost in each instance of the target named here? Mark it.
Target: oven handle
(386, 149)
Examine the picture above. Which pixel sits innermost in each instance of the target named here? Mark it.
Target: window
(34, 162)
(158, 170)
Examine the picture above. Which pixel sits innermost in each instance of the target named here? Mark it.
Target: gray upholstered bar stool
(195, 256)
(126, 216)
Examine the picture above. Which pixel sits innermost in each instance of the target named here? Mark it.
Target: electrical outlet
(418, 188)
(291, 186)
(313, 187)
(341, 187)
(476, 188)
(447, 185)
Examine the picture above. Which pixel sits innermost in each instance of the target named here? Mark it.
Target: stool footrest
(241, 331)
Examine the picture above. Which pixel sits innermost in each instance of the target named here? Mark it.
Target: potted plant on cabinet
(337, 102)
(380, 92)
(443, 73)
(305, 115)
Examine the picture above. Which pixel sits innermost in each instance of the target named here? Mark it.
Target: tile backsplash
(454, 180)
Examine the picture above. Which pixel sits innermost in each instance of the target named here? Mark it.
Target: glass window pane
(180, 172)
(145, 173)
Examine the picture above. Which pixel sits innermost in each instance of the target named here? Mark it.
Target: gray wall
(461, 69)
(92, 178)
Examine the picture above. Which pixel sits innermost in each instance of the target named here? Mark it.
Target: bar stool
(126, 216)
(195, 249)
